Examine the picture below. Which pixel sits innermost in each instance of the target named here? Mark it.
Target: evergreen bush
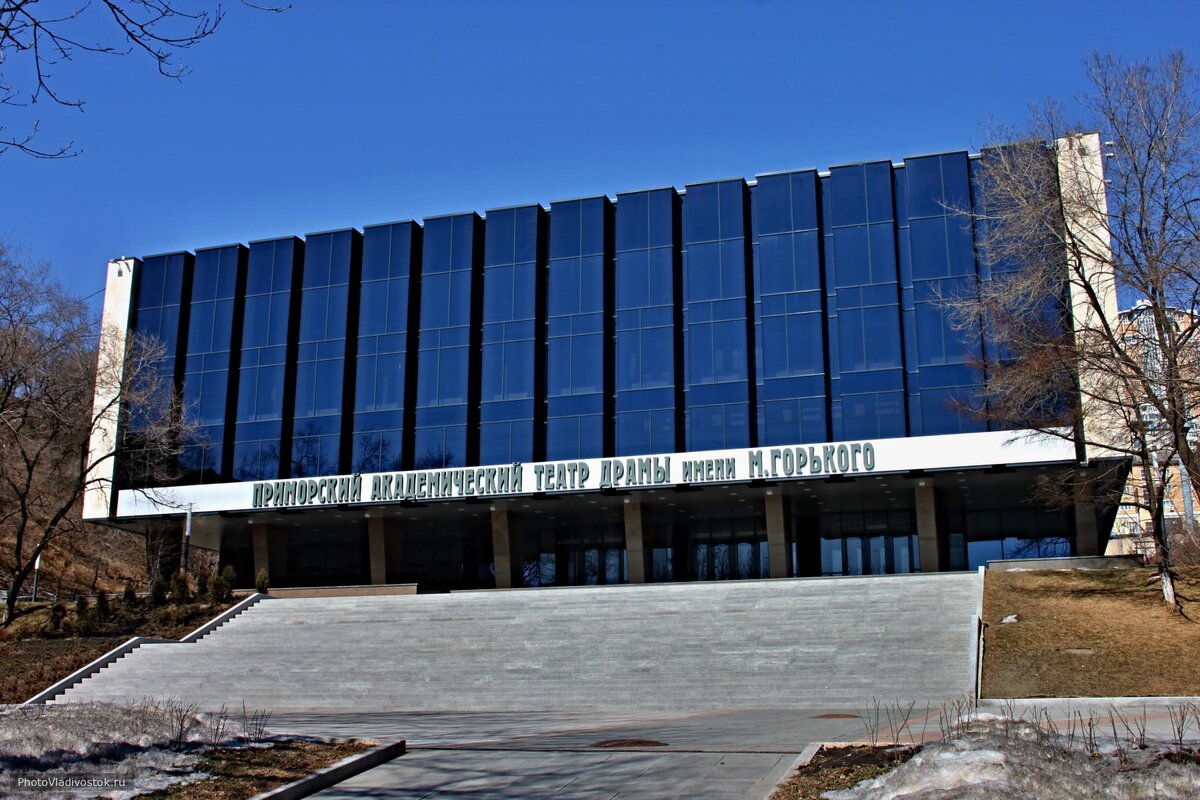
(158, 592)
(220, 589)
(203, 581)
(58, 612)
(179, 589)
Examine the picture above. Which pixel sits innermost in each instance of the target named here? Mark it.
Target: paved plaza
(716, 755)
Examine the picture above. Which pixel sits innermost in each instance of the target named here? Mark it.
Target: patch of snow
(1007, 759)
(144, 745)
(1010, 619)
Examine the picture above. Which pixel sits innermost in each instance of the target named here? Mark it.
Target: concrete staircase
(829, 643)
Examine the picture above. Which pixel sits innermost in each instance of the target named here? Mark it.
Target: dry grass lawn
(239, 773)
(32, 656)
(837, 768)
(1090, 634)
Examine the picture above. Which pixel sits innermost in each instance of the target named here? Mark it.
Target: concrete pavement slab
(520, 775)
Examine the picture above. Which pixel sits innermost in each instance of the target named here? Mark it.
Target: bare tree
(50, 372)
(1063, 241)
(35, 39)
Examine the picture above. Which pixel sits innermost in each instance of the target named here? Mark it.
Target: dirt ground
(238, 773)
(28, 666)
(835, 768)
(33, 657)
(1089, 634)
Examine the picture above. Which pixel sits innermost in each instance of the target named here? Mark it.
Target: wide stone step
(660, 647)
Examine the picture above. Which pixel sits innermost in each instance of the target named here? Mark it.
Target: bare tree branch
(1127, 385)
(50, 370)
(34, 42)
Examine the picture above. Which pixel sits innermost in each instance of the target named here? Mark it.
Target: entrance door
(589, 565)
(732, 553)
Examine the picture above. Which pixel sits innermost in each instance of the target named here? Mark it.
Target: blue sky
(338, 114)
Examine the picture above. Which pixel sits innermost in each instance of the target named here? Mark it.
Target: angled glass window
(328, 271)
(258, 430)
(390, 265)
(215, 278)
(645, 278)
(163, 288)
(448, 276)
(512, 281)
(716, 311)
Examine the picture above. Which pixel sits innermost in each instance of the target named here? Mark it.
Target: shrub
(179, 589)
(230, 575)
(128, 595)
(58, 612)
(158, 592)
(220, 589)
(102, 605)
(203, 579)
(87, 623)
(261, 583)
(81, 605)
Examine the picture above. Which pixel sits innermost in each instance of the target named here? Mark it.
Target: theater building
(737, 379)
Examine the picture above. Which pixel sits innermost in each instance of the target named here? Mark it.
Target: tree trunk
(10, 607)
(1168, 586)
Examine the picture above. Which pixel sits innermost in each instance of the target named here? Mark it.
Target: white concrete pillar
(98, 500)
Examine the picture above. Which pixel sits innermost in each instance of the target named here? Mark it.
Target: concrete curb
(335, 774)
(91, 669)
(222, 618)
(129, 646)
(806, 755)
(975, 660)
(1149, 701)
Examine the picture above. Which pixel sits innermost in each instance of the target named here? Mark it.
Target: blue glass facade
(579, 328)
(866, 372)
(800, 307)
(937, 251)
(211, 366)
(718, 356)
(266, 377)
(649, 358)
(160, 309)
(159, 318)
(511, 419)
(447, 404)
(387, 314)
(325, 347)
(792, 357)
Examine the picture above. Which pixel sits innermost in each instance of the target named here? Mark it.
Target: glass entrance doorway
(717, 549)
(588, 565)
(695, 544)
(869, 555)
(717, 557)
(579, 555)
(882, 542)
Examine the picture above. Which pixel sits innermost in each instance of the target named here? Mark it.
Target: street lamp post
(37, 566)
(187, 539)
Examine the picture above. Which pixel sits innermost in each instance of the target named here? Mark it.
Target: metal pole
(187, 539)
(37, 565)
